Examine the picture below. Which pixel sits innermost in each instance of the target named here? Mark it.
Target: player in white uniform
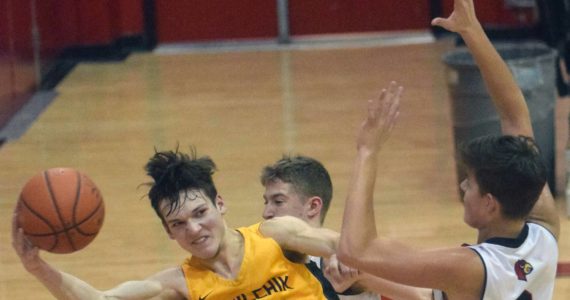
(520, 268)
(506, 198)
(517, 268)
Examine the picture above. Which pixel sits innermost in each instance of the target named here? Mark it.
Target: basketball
(60, 210)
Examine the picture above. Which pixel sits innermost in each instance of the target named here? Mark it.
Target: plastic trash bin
(473, 113)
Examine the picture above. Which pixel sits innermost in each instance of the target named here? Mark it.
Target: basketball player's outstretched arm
(64, 286)
(457, 271)
(504, 90)
(296, 235)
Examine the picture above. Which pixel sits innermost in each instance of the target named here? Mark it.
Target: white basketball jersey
(520, 269)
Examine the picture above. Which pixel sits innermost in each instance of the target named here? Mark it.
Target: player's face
(280, 199)
(473, 213)
(197, 225)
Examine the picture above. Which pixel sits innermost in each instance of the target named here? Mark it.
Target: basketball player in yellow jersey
(225, 263)
(264, 272)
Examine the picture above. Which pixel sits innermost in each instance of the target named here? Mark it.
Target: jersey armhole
(185, 272)
(543, 227)
(484, 270)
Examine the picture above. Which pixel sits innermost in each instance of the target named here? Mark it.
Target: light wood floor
(244, 109)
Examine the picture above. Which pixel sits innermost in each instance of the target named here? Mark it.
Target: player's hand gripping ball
(60, 210)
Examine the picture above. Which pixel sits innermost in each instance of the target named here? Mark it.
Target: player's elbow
(344, 255)
(347, 253)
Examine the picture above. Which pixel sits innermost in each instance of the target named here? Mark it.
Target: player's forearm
(64, 286)
(321, 242)
(294, 234)
(501, 85)
(71, 287)
(359, 225)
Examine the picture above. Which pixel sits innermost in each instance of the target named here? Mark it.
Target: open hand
(340, 276)
(382, 115)
(461, 19)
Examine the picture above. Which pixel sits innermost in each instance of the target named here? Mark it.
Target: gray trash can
(473, 113)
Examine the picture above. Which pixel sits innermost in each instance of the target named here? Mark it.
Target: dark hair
(508, 167)
(307, 176)
(174, 172)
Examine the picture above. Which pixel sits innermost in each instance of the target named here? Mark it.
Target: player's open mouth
(200, 240)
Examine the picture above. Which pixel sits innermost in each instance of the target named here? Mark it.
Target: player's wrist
(472, 31)
(367, 151)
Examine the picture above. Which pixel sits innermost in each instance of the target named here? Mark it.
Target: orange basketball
(60, 210)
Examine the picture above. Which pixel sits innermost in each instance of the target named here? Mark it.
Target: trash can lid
(510, 52)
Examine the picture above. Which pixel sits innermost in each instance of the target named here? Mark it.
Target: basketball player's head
(297, 186)
(508, 168)
(184, 196)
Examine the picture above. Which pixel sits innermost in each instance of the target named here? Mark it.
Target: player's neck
(227, 263)
(503, 228)
(314, 223)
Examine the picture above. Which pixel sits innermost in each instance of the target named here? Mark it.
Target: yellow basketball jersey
(264, 273)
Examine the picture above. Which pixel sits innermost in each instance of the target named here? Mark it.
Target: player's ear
(314, 206)
(220, 205)
(492, 204)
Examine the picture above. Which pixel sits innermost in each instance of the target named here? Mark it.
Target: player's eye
(201, 212)
(176, 224)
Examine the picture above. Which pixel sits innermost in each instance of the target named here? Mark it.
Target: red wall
(199, 20)
(183, 20)
(17, 78)
(342, 16)
(65, 23)
(61, 24)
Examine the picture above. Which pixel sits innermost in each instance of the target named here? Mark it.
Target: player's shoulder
(253, 228)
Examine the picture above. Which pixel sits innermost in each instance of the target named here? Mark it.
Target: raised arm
(454, 270)
(505, 93)
(359, 224)
(504, 90)
(65, 286)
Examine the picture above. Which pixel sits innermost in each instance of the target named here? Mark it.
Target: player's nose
(192, 227)
(268, 213)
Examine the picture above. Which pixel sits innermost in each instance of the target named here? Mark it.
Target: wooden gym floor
(244, 109)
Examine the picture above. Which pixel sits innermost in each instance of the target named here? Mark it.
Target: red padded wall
(198, 20)
(201, 20)
(128, 17)
(342, 16)
(17, 78)
(61, 24)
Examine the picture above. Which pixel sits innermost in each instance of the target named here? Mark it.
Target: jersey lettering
(272, 286)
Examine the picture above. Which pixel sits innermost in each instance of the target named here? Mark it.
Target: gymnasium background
(41, 40)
